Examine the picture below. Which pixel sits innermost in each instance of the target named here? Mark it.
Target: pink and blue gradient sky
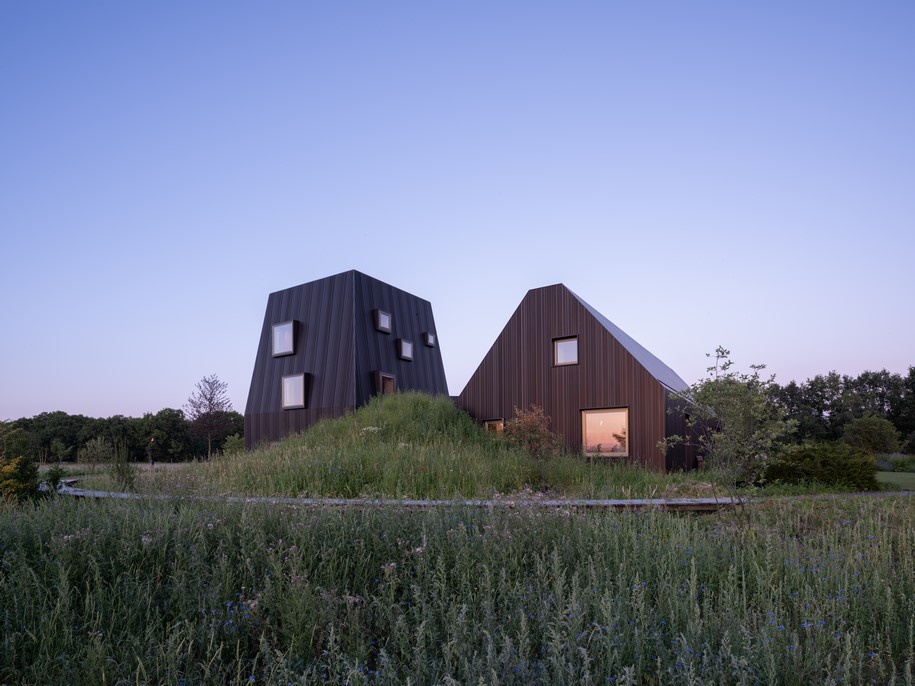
(702, 173)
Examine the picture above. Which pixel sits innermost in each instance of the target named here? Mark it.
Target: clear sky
(702, 173)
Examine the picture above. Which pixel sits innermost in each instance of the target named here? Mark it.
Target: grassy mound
(411, 445)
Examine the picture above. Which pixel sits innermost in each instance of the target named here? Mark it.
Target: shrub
(872, 435)
(529, 431)
(18, 478)
(825, 463)
(233, 444)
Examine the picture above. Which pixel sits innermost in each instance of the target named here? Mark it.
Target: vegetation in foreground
(153, 592)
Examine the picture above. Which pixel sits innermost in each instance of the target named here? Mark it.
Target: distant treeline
(824, 404)
(166, 436)
(822, 407)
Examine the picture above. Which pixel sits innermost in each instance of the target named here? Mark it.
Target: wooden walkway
(668, 504)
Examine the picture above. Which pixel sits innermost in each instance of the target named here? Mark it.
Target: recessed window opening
(404, 349)
(385, 383)
(429, 339)
(293, 391)
(605, 432)
(283, 339)
(383, 321)
(495, 426)
(565, 351)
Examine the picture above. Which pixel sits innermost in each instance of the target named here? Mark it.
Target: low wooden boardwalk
(670, 504)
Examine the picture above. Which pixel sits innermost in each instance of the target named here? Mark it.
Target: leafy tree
(208, 408)
(733, 420)
(167, 435)
(97, 451)
(872, 435)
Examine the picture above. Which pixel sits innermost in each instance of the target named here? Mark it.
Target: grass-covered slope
(411, 445)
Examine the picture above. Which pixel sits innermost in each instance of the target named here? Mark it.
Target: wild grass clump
(411, 445)
(158, 592)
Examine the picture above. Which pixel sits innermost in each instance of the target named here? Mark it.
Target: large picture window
(293, 391)
(605, 432)
(283, 339)
(565, 351)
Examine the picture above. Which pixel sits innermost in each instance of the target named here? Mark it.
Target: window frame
(273, 338)
(380, 378)
(429, 339)
(605, 453)
(495, 426)
(405, 349)
(377, 315)
(556, 343)
(283, 402)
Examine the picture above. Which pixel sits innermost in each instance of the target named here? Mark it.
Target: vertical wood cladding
(338, 349)
(518, 371)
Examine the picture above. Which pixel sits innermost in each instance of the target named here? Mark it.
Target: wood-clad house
(605, 394)
(329, 345)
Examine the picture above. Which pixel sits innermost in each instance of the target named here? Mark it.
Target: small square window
(385, 383)
(565, 351)
(293, 391)
(495, 426)
(383, 320)
(404, 349)
(283, 339)
(429, 339)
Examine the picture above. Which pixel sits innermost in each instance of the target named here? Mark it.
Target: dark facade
(329, 345)
(606, 395)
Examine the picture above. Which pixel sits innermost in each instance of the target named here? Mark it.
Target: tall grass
(417, 446)
(150, 593)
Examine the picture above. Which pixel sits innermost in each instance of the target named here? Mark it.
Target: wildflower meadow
(155, 592)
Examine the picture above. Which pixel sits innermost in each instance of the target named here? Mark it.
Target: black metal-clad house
(605, 394)
(329, 345)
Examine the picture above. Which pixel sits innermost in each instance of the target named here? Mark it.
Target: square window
(385, 383)
(383, 321)
(565, 351)
(429, 339)
(283, 339)
(495, 426)
(605, 432)
(293, 391)
(404, 349)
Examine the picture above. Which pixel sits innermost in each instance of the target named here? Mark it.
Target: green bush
(872, 435)
(825, 463)
(18, 478)
(233, 444)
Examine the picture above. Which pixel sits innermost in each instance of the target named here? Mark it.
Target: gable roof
(667, 376)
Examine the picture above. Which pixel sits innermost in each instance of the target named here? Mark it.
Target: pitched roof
(652, 364)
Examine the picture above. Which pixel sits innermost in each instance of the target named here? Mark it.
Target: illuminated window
(495, 426)
(404, 349)
(293, 391)
(283, 339)
(383, 321)
(565, 351)
(605, 432)
(429, 339)
(385, 383)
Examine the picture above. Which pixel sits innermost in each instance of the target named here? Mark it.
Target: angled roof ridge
(667, 376)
